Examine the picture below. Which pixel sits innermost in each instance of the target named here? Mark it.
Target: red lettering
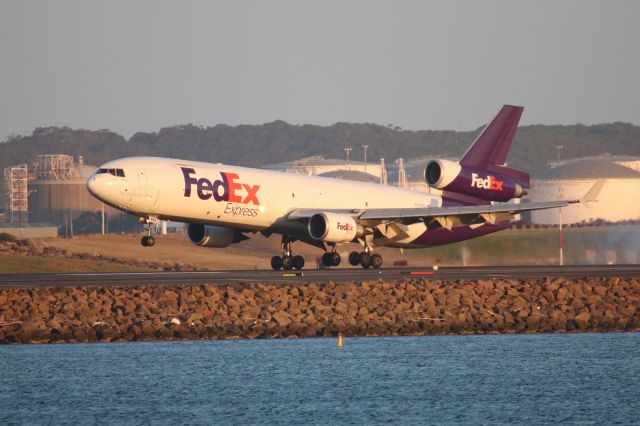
(233, 187)
(251, 194)
(496, 185)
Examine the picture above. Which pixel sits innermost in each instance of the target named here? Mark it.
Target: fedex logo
(227, 188)
(490, 182)
(344, 227)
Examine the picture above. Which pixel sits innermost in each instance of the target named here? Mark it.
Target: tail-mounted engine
(486, 185)
(213, 236)
(334, 227)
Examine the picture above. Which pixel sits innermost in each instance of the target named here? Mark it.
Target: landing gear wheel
(327, 260)
(376, 260)
(287, 263)
(365, 259)
(276, 263)
(148, 241)
(298, 262)
(335, 258)
(354, 258)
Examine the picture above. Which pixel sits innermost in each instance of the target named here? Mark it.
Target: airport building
(618, 201)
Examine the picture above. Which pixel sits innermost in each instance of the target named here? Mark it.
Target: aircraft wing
(299, 214)
(449, 217)
(382, 214)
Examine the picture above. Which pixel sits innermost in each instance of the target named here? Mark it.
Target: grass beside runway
(588, 245)
(18, 263)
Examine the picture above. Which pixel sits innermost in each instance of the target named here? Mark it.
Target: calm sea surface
(525, 379)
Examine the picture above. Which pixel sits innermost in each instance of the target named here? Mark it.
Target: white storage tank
(618, 201)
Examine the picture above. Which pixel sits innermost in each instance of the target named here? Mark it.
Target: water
(497, 379)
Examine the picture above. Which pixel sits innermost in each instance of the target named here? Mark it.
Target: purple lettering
(225, 189)
(188, 180)
(205, 189)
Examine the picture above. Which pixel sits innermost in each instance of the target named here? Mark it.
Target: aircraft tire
(276, 263)
(335, 258)
(148, 241)
(376, 260)
(365, 260)
(298, 262)
(354, 258)
(287, 263)
(327, 260)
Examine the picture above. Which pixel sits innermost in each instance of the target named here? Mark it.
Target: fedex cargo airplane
(222, 204)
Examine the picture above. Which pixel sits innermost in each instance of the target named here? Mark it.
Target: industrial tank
(58, 190)
(619, 199)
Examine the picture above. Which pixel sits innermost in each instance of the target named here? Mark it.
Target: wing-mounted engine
(213, 236)
(334, 227)
(494, 185)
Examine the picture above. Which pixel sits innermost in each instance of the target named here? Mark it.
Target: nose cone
(98, 186)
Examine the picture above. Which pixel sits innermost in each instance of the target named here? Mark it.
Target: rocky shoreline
(250, 311)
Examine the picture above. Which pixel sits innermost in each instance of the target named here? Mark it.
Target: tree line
(257, 145)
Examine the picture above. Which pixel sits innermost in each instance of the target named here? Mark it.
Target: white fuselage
(238, 197)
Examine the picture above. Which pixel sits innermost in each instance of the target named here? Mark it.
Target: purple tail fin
(489, 151)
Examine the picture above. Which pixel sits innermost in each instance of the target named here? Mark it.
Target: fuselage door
(144, 197)
(142, 179)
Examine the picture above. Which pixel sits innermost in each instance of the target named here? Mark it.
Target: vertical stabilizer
(490, 150)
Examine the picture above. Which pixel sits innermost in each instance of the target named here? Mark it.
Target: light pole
(348, 151)
(561, 239)
(365, 157)
(558, 149)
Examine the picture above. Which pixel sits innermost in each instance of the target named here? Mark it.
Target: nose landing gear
(148, 240)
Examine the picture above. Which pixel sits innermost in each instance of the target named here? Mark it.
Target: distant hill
(276, 142)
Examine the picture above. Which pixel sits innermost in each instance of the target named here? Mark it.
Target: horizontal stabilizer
(594, 192)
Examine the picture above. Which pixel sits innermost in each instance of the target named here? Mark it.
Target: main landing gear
(287, 261)
(330, 259)
(147, 240)
(365, 259)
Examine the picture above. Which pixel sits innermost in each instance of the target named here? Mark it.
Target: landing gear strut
(287, 261)
(147, 240)
(365, 259)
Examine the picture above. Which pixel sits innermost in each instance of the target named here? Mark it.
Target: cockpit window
(114, 172)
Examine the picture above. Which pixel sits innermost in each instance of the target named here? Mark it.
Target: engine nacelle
(213, 236)
(333, 227)
(449, 176)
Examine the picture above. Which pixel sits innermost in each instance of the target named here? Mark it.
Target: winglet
(594, 192)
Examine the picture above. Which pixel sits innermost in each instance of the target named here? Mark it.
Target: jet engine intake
(213, 236)
(486, 185)
(440, 173)
(333, 227)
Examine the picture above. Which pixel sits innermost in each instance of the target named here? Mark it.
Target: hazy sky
(141, 65)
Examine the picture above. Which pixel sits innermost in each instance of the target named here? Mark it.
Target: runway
(312, 275)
